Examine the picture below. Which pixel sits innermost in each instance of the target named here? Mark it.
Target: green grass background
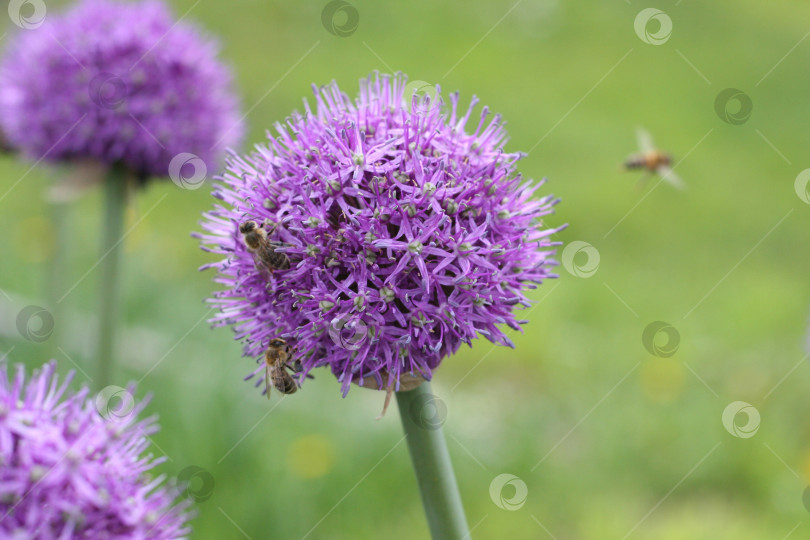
(624, 440)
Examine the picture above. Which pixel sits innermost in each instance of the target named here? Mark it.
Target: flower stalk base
(431, 463)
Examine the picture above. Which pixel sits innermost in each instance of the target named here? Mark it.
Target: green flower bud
(387, 294)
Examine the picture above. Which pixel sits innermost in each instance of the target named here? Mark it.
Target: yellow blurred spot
(806, 468)
(662, 379)
(310, 456)
(34, 239)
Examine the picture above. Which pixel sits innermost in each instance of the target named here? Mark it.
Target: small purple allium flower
(117, 83)
(66, 472)
(407, 234)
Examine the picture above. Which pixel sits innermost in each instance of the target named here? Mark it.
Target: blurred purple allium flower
(118, 83)
(66, 472)
(407, 234)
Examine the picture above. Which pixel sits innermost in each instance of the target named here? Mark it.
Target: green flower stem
(431, 462)
(115, 199)
(57, 271)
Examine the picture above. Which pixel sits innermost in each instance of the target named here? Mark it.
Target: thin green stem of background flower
(115, 198)
(60, 223)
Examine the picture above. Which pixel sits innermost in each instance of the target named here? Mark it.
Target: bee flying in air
(653, 161)
(276, 360)
(264, 250)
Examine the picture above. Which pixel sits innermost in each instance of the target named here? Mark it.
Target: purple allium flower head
(408, 232)
(117, 83)
(66, 472)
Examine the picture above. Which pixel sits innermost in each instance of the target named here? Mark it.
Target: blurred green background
(610, 440)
